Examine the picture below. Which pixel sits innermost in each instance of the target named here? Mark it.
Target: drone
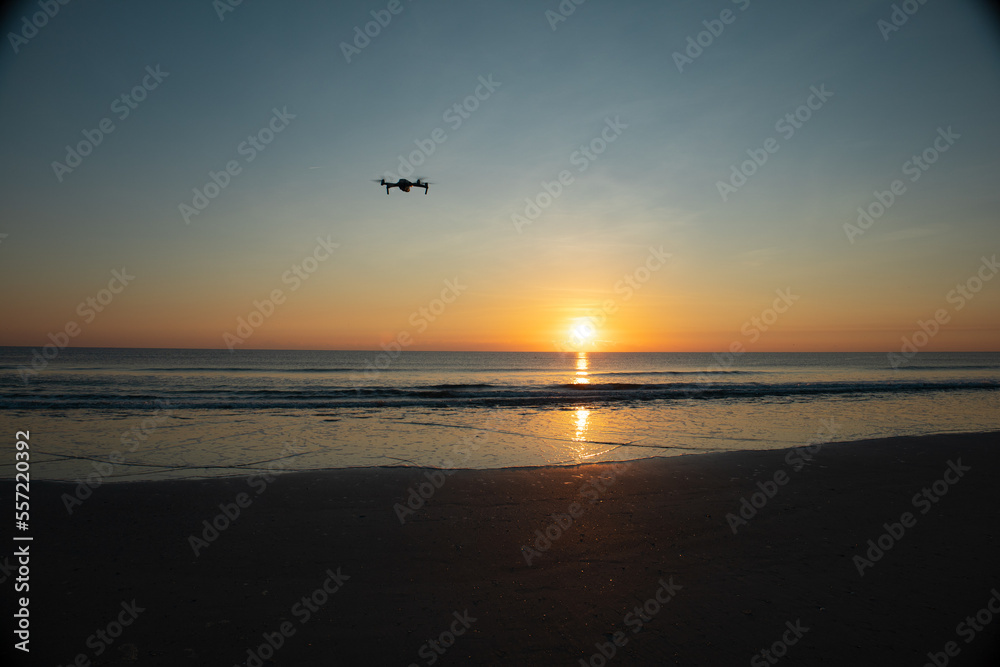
(404, 184)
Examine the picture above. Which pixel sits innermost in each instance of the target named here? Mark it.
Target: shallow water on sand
(158, 414)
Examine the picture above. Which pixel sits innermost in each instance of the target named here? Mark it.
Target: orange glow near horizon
(662, 317)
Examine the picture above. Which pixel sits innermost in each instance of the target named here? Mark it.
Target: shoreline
(258, 470)
(653, 529)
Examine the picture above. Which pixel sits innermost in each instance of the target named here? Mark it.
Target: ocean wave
(469, 395)
(235, 369)
(950, 368)
(699, 372)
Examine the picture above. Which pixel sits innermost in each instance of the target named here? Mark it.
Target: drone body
(404, 185)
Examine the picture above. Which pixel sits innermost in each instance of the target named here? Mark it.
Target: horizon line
(381, 350)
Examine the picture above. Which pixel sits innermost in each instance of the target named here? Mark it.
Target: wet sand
(643, 563)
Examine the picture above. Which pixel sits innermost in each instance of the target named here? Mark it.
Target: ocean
(140, 414)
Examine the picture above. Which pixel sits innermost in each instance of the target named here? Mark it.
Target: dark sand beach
(657, 528)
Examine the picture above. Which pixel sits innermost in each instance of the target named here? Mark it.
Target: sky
(620, 176)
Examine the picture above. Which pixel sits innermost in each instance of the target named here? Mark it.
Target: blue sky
(655, 185)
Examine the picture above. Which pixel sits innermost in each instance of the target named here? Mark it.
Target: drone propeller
(380, 181)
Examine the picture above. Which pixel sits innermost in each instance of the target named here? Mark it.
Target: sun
(582, 332)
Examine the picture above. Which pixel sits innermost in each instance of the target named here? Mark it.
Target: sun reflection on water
(582, 364)
(582, 416)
